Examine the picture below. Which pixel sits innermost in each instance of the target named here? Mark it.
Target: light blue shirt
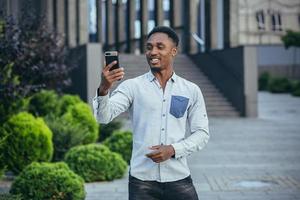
(158, 117)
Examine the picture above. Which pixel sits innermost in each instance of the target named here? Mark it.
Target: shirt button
(164, 115)
(164, 100)
(162, 129)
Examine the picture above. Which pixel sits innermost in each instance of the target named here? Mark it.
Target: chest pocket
(178, 105)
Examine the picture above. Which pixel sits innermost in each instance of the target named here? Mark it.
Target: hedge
(95, 162)
(120, 142)
(28, 139)
(53, 181)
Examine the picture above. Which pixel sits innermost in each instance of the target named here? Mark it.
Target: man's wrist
(101, 92)
(172, 150)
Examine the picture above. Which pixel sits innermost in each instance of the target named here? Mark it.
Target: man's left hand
(161, 153)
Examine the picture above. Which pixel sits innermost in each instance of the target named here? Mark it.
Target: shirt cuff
(179, 150)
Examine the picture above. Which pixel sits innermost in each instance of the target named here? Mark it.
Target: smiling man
(163, 108)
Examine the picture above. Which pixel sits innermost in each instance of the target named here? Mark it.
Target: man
(161, 106)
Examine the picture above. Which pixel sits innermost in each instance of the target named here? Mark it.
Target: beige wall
(243, 26)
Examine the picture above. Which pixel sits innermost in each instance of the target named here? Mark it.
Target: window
(260, 19)
(276, 21)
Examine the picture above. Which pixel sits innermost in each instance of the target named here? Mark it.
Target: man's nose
(153, 52)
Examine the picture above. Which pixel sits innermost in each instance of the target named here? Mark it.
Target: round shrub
(65, 135)
(48, 181)
(10, 197)
(66, 101)
(263, 81)
(107, 129)
(44, 103)
(120, 142)
(279, 85)
(296, 88)
(28, 139)
(95, 162)
(81, 114)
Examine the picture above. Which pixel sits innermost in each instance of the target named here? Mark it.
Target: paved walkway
(246, 159)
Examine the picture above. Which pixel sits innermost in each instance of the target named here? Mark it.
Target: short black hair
(167, 30)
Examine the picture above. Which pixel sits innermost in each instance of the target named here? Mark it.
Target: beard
(155, 69)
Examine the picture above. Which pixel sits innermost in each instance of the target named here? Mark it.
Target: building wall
(252, 21)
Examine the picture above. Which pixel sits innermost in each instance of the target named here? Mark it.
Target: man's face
(160, 51)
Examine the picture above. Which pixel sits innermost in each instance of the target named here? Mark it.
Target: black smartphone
(111, 56)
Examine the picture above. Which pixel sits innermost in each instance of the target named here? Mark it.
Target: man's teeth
(154, 60)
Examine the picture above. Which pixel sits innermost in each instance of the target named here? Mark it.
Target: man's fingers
(155, 147)
(109, 66)
(153, 153)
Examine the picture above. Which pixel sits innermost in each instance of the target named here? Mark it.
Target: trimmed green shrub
(66, 101)
(95, 162)
(28, 139)
(296, 88)
(279, 85)
(263, 81)
(120, 142)
(81, 114)
(2, 163)
(10, 197)
(43, 103)
(53, 181)
(107, 129)
(65, 135)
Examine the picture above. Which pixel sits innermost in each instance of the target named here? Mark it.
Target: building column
(109, 32)
(158, 12)
(176, 13)
(193, 27)
(99, 20)
(130, 19)
(207, 25)
(71, 23)
(226, 27)
(144, 23)
(217, 36)
(60, 17)
(119, 24)
(83, 22)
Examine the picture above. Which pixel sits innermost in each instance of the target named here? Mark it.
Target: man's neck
(163, 76)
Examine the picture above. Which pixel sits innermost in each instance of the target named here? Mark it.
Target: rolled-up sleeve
(107, 108)
(198, 123)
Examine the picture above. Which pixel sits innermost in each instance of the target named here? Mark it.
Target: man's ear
(174, 51)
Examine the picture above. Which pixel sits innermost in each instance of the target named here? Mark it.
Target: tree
(291, 38)
(32, 57)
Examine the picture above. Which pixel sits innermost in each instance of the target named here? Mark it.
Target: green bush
(263, 81)
(65, 135)
(120, 142)
(95, 162)
(67, 101)
(53, 181)
(43, 103)
(107, 129)
(296, 88)
(28, 139)
(2, 163)
(80, 114)
(279, 85)
(10, 197)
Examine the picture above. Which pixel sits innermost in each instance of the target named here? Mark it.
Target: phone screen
(111, 56)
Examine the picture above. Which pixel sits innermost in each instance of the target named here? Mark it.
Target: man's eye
(160, 46)
(148, 47)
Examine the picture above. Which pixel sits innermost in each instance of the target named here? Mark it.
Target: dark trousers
(153, 190)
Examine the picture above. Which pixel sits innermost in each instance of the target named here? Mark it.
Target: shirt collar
(151, 77)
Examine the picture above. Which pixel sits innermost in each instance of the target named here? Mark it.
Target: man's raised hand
(108, 78)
